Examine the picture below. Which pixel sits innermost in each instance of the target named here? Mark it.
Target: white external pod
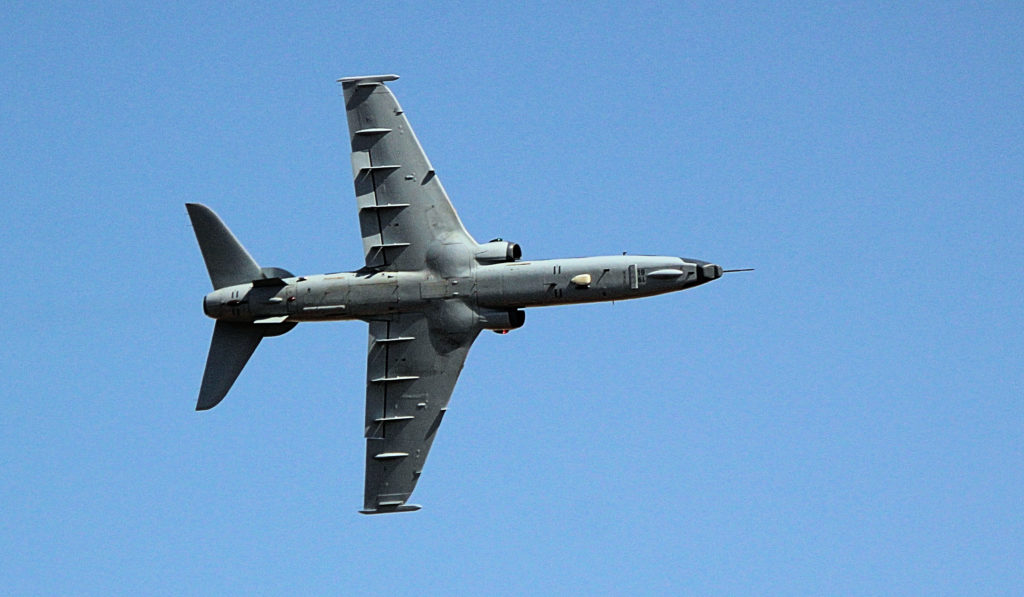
(581, 280)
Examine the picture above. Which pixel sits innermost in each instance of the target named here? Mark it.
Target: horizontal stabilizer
(232, 345)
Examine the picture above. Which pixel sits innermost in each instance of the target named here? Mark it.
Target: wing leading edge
(410, 374)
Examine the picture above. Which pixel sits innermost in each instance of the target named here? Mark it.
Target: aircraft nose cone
(708, 272)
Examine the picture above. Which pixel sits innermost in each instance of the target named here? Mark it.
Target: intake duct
(498, 251)
(502, 321)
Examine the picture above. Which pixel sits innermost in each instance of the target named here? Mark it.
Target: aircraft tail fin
(232, 345)
(227, 261)
(228, 264)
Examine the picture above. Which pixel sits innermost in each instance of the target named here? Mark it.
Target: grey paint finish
(403, 209)
(410, 373)
(427, 290)
(232, 345)
(227, 261)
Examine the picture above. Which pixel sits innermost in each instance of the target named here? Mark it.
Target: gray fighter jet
(427, 290)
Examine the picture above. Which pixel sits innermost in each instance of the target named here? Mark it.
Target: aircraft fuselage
(500, 287)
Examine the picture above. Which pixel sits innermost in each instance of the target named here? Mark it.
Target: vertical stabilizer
(232, 345)
(227, 261)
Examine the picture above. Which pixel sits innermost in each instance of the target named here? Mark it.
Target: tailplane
(232, 345)
(228, 264)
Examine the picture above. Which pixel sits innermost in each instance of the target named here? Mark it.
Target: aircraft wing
(403, 208)
(410, 373)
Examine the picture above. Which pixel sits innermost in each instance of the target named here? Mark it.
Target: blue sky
(845, 420)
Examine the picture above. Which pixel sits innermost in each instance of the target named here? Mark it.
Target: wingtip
(367, 79)
(392, 509)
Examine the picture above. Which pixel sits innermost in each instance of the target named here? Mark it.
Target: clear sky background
(845, 420)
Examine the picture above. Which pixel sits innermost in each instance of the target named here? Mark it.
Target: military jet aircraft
(427, 289)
